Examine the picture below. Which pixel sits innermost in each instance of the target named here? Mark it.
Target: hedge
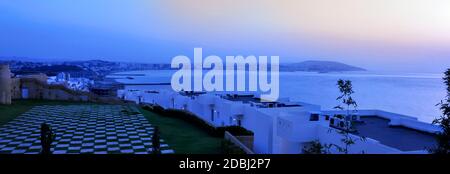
(228, 147)
(193, 119)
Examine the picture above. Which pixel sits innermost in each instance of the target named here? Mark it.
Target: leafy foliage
(315, 147)
(443, 138)
(347, 140)
(346, 89)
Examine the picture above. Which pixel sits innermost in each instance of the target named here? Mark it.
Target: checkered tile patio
(94, 129)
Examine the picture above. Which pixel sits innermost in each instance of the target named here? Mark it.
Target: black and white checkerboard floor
(94, 129)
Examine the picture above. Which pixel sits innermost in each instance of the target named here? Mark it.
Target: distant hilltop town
(98, 69)
(92, 69)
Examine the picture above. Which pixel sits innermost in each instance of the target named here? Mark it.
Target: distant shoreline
(119, 74)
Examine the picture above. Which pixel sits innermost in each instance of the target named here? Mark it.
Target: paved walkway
(94, 129)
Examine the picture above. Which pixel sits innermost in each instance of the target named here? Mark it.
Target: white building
(287, 127)
(62, 77)
(76, 84)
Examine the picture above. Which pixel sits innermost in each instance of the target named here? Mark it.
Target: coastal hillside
(100, 68)
(319, 66)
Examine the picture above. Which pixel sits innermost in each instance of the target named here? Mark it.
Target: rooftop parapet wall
(395, 120)
(369, 112)
(329, 135)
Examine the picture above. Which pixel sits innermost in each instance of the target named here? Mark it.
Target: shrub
(156, 141)
(227, 147)
(443, 138)
(154, 108)
(315, 147)
(234, 130)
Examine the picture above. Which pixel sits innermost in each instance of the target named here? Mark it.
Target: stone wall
(5, 84)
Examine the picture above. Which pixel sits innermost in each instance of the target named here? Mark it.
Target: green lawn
(184, 137)
(9, 112)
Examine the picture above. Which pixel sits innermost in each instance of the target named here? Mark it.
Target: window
(341, 124)
(314, 117)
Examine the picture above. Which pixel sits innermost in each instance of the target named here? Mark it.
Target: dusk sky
(380, 35)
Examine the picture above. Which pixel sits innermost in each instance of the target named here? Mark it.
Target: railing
(238, 143)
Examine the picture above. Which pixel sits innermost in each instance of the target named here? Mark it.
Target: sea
(413, 94)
